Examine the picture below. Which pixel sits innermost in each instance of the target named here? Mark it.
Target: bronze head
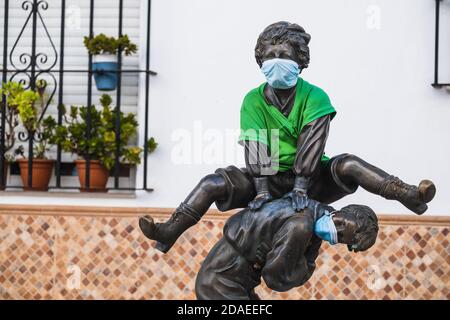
(357, 226)
(283, 40)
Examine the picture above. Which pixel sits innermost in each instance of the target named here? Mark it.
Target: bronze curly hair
(367, 226)
(281, 32)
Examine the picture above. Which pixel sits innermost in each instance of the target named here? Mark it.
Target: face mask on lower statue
(280, 73)
(325, 228)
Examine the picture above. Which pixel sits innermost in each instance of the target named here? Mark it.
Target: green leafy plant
(102, 44)
(27, 106)
(11, 91)
(101, 143)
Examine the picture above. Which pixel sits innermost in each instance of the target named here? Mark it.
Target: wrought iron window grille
(436, 83)
(34, 64)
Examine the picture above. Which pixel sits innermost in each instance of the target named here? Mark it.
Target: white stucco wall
(373, 58)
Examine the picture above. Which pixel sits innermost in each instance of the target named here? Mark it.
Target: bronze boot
(413, 197)
(167, 233)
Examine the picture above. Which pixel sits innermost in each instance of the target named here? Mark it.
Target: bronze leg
(354, 170)
(209, 189)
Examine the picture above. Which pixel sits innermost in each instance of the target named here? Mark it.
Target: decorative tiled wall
(101, 257)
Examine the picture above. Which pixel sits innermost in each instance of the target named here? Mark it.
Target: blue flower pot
(104, 80)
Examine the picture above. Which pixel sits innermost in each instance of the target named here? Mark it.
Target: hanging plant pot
(42, 172)
(5, 173)
(105, 71)
(98, 176)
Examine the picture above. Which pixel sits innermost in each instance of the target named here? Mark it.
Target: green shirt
(264, 123)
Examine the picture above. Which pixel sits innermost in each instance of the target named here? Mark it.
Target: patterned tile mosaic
(70, 257)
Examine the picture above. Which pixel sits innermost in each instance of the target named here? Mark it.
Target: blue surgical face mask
(325, 228)
(281, 73)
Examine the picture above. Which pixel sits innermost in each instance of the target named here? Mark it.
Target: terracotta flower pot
(98, 176)
(42, 172)
(5, 173)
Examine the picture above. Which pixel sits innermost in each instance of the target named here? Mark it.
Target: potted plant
(101, 145)
(105, 66)
(10, 90)
(30, 105)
